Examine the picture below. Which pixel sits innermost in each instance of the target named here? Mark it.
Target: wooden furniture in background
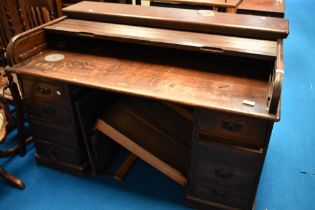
(216, 5)
(66, 3)
(273, 8)
(233, 91)
(21, 15)
(17, 16)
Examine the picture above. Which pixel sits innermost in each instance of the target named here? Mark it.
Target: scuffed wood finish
(263, 7)
(165, 74)
(183, 19)
(228, 45)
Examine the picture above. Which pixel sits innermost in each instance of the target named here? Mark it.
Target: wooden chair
(17, 16)
(37, 12)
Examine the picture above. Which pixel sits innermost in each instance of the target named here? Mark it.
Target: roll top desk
(199, 91)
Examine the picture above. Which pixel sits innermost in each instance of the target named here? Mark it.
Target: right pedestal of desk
(228, 151)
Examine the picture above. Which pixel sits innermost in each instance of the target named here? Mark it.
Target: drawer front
(225, 166)
(222, 195)
(233, 128)
(53, 133)
(44, 90)
(59, 114)
(227, 176)
(57, 152)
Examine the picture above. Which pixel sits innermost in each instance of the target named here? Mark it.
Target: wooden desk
(228, 86)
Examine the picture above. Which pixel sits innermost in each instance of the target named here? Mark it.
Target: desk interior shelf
(219, 44)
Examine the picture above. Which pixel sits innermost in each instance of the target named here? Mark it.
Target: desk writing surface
(195, 79)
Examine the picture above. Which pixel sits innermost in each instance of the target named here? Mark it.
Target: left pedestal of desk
(58, 141)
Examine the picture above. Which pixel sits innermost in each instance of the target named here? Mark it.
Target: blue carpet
(288, 178)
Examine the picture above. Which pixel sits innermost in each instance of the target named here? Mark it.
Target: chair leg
(19, 113)
(11, 179)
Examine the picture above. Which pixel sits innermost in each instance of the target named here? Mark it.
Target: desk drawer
(218, 194)
(57, 152)
(53, 133)
(235, 129)
(224, 165)
(44, 90)
(227, 176)
(59, 114)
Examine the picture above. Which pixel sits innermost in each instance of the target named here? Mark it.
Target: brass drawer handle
(43, 91)
(223, 174)
(230, 126)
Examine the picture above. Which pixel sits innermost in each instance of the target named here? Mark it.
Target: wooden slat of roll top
(228, 45)
(183, 19)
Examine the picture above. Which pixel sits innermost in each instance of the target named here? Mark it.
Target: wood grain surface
(245, 47)
(273, 6)
(182, 19)
(194, 79)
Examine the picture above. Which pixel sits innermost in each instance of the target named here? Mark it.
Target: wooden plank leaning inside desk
(197, 105)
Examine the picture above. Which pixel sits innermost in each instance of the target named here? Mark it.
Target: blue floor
(288, 178)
